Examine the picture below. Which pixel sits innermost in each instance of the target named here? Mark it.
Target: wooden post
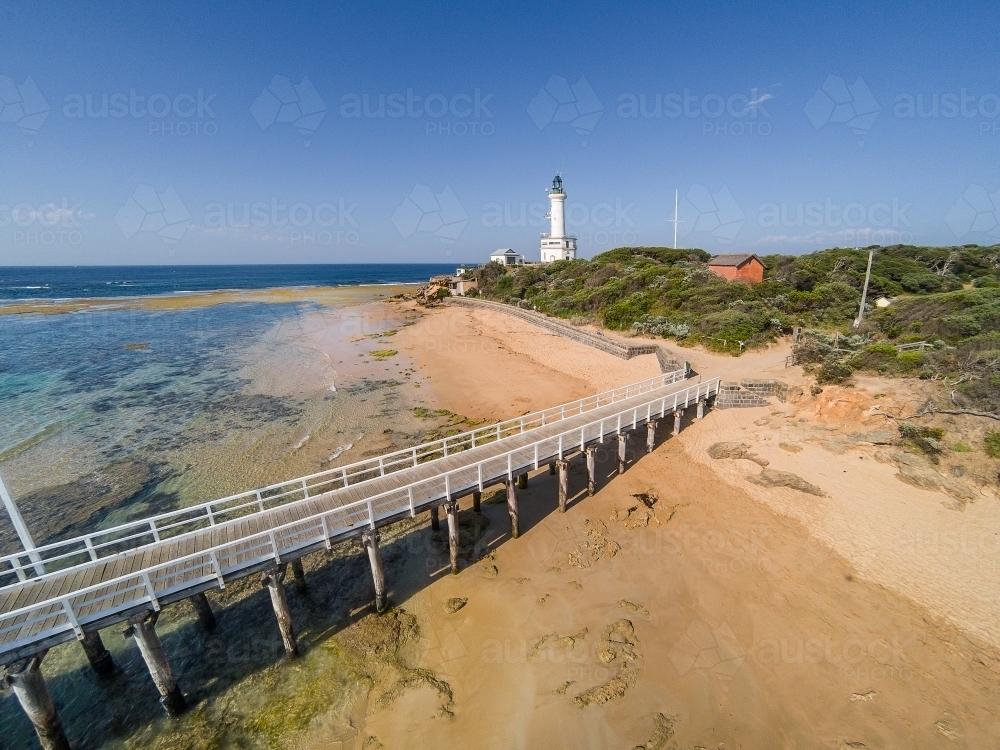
(435, 519)
(299, 574)
(477, 498)
(274, 581)
(204, 611)
(563, 466)
(25, 678)
(515, 531)
(451, 508)
(677, 421)
(701, 408)
(522, 481)
(651, 435)
(591, 470)
(142, 627)
(370, 540)
(97, 655)
(622, 447)
(552, 468)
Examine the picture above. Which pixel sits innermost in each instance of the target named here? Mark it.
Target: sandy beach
(757, 617)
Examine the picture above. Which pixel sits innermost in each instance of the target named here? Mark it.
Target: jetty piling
(701, 409)
(435, 519)
(204, 611)
(477, 498)
(98, 656)
(24, 677)
(622, 448)
(274, 581)
(142, 628)
(591, 469)
(677, 421)
(651, 426)
(563, 466)
(451, 508)
(299, 574)
(512, 508)
(370, 541)
(522, 481)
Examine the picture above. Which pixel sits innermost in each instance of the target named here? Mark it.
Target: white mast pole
(864, 293)
(22, 530)
(675, 221)
(676, 205)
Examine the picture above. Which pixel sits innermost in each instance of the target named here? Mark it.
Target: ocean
(48, 282)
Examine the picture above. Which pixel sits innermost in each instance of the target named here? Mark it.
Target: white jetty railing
(63, 616)
(95, 545)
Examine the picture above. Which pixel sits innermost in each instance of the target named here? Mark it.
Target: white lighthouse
(556, 244)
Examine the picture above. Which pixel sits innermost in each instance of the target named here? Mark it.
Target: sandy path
(486, 365)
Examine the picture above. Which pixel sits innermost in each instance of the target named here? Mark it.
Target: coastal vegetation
(942, 319)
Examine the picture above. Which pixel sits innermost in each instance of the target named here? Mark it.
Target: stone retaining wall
(733, 396)
(766, 388)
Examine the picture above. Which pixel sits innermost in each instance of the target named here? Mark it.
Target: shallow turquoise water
(118, 399)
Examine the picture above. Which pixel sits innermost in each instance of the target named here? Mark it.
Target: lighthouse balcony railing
(564, 237)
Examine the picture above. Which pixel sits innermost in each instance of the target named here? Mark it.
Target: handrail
(267, 545)
(104, 542)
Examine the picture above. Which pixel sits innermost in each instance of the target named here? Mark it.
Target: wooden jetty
(71, 589)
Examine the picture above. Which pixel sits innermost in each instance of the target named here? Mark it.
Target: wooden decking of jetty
(63, 604)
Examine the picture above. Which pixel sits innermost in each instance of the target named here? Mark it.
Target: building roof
(504, 251)
(735, 259)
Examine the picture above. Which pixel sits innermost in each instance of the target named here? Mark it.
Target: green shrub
(875, 357)
(917, 283)
(927, 439)
(834, 371)
(909, 361)
(992, 442)
(961, 447)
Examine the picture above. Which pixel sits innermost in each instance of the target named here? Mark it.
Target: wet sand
(329, 296)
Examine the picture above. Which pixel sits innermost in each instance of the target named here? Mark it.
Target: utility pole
(22, 530)
(675, 221)
(864, 292)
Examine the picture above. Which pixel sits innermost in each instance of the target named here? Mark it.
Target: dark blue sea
(59, 282)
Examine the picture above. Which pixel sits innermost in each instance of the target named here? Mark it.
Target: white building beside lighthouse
(556, 244)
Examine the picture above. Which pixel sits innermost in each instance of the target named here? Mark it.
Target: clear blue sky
(785, 128)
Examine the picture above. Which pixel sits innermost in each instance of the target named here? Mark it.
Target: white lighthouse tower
(556, 244)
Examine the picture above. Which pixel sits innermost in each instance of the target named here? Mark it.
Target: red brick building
(745, 267)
